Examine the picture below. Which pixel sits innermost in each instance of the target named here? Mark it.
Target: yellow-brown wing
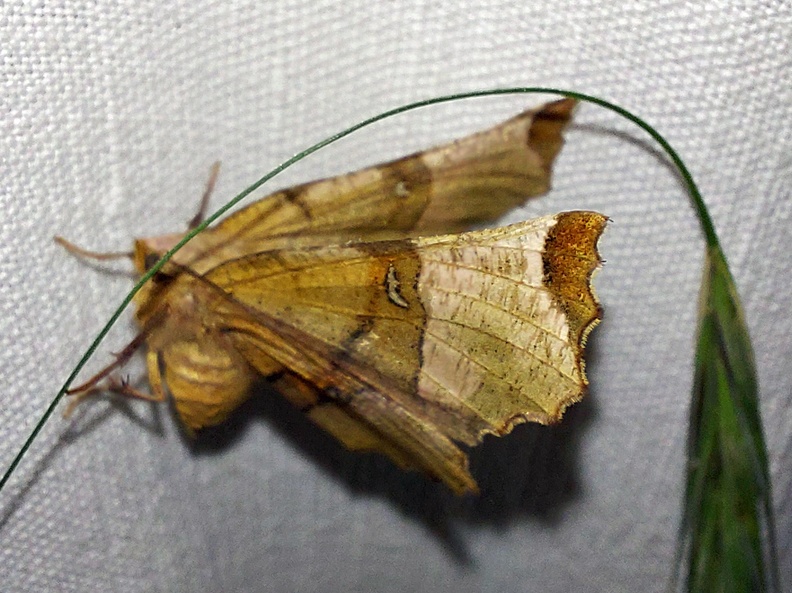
(407, 346)
(443, 190)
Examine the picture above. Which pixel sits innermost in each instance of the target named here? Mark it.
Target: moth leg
(155, 375)
(214, 171)
(124, 388)
(88, 254)
(121, 387)
(121, 358)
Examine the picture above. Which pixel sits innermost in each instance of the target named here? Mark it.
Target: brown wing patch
(446, 189)
(570, 258)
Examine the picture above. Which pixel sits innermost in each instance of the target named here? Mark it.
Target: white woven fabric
(112, 114)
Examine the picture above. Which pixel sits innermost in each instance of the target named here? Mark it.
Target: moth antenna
(87, 254)
(214, 171)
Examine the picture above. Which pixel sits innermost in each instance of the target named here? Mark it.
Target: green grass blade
(727, 538)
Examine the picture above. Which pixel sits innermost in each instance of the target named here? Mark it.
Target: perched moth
(364, 302)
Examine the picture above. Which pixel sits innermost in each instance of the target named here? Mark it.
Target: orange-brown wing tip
(570, 260)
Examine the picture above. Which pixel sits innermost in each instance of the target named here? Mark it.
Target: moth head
(148, 251)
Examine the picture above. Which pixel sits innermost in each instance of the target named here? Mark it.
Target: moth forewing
(508, 311)
(491, 335)
(390, 338)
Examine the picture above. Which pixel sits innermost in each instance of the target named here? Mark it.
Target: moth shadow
(529, 475)
(85, 420)
(10, 505)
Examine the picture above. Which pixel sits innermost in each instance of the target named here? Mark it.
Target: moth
(365, 302)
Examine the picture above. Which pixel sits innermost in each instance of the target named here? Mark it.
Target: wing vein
(510, 312)
(500, 339)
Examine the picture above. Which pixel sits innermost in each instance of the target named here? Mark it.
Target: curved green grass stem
(725, 376)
